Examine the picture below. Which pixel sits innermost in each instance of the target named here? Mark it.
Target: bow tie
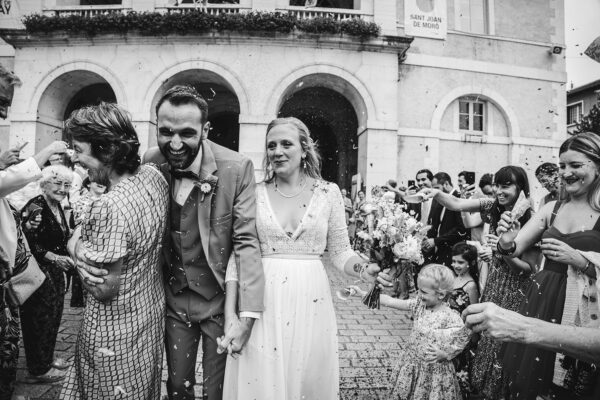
(180, 174)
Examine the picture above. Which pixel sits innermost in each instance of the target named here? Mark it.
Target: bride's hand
(378, 277)
(232, 324)
(237, 333)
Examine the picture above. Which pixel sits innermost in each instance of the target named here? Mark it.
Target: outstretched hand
(356, 291)
(495, 322)
(429, 193)
(9, 157)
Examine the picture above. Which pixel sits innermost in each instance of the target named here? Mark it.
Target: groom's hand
(237, 333)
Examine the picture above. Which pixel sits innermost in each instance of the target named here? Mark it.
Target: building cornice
(382, 44)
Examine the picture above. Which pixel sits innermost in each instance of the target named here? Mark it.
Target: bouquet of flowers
(394, 243)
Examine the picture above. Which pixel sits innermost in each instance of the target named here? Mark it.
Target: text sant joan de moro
(425, 21)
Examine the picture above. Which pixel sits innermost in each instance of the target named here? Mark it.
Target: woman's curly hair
(108, 129)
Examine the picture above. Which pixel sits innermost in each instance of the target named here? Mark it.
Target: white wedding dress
(292, 353)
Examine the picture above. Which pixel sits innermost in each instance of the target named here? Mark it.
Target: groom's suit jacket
(226, 220)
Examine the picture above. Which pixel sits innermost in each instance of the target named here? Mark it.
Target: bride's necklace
(289, 196)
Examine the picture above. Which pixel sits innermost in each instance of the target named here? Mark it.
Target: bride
(293, 350)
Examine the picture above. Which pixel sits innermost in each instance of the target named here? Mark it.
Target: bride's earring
(304, 163)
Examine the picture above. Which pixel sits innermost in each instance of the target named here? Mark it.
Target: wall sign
(425, 18)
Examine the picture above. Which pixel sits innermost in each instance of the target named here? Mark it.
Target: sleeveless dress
(529, 370)
(505, 288)
(458, 301)
(118, 353)
(292, 353)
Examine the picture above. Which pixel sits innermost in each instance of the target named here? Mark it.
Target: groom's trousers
(192, 319)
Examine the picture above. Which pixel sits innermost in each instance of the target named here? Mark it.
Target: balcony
(212, 9)
(64, 9)
(72, 7)
(335, 13)
(380, 12)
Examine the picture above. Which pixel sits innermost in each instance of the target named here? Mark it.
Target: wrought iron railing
(85, 11)
(212, 9)
(335, 13)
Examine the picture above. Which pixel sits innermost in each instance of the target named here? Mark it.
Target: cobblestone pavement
(369, 340)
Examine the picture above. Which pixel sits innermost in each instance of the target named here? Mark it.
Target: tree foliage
(591, 121)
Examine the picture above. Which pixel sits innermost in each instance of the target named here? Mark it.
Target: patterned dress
(417, 379)
(458, 301)
(119, 348)
(10, 327)
(292, 353)
(507, 289)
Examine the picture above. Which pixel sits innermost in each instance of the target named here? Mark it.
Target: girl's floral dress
(414, 377)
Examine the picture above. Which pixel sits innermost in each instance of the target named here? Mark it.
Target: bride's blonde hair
(311, 164)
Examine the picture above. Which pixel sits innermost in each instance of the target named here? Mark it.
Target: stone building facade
(488, 92)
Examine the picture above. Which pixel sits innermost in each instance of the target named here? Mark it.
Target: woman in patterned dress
(508, 279)
(119, 348)
(292, 353)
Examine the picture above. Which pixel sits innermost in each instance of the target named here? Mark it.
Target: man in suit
(212, 216)
(421, 210)
(447, 227)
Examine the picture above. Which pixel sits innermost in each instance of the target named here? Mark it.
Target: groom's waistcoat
(189, 267)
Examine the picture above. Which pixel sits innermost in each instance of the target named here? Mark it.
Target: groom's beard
(100, 176)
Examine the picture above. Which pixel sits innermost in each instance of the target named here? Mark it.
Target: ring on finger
(555, 254)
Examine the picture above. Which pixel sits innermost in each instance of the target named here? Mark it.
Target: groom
(212, 215)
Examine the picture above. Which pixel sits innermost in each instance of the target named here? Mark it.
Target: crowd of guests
(503, 253)
(183, 249)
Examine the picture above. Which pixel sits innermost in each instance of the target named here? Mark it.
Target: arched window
(475, 116)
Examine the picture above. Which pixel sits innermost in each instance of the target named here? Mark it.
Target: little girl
(425, 371)
(464, 293)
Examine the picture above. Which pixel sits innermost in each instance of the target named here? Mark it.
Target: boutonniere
(207, 185)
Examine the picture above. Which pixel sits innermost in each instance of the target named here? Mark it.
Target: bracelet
(506, 252)
(587, 266)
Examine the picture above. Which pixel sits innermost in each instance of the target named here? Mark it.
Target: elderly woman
(42, 312)
(120, 344)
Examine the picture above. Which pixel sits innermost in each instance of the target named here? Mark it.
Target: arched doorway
(90, 95)
(333, 124)
(68, 92)
(223, 104)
